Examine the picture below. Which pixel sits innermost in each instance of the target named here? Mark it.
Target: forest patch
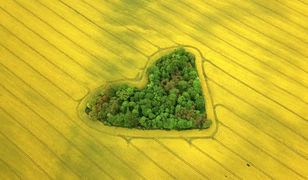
(172, 98)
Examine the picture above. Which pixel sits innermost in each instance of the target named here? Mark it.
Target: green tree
(182, 85)
(200, 104)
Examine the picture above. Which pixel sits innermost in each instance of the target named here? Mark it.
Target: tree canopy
(172, 99)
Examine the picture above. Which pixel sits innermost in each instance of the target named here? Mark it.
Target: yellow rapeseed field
(54, 54)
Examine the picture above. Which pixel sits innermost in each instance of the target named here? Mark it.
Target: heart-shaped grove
(169, 96)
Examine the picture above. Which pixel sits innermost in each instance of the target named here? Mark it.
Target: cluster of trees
(172, 99)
